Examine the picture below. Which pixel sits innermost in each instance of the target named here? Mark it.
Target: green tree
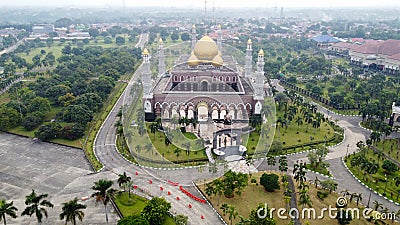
(77, 114)
(329, 185)
(156, 210)
(181, 220)
(71, 210)
(136, 220)
(283, 167)
(265, 219)
(7, 209)
(120, 40)
(234, 183)
(9, 117)
(389, 167)
(35, 205)
(103, 193)
(48, 131)
(270, 182)
(39, 104)
(185, 37)
(232, 213)
(174, 36)
(123, 179)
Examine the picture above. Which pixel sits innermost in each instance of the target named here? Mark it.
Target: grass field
(253, 195)
(134, 206)
(379, 182)
(390, 147)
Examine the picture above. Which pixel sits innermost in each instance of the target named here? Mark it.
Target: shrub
(270, 182)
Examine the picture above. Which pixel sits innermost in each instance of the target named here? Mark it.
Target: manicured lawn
(376, 181)
(134, 206)
(390, 147)
(130, 206)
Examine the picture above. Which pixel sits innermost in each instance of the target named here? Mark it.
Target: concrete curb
(366, 186)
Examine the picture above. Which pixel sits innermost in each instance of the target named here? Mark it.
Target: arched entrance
(204, 86)
(202, 111)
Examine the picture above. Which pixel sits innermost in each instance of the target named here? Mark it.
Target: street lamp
(348, 145)
(369, 198)
(384, 192)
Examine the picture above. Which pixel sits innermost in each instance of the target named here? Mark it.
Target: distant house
(324, 40)
(42, 29)
(396, 112)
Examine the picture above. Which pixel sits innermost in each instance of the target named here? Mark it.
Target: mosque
(205, 85)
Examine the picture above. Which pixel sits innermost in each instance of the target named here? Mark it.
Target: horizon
(211, 4)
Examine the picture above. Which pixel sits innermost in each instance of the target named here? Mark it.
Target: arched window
(182, 78)
(221, 78)
(227, 79)
(194, 78)
(175, 78)
(234, 79)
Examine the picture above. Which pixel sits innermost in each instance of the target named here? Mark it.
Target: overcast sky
(210, 3)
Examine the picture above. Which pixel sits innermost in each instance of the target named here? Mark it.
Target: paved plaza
(61, 172)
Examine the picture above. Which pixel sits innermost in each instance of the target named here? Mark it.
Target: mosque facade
(205, 85)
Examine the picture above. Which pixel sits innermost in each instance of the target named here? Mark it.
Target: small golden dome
(218, 61)
(249, 42)
(193, 26)
(193, 61)
(261, 52)
(205, 48)
(145, 51)
(160, 40)
(219, 26)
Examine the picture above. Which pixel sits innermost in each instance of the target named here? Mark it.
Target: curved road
(107, 154)
(353, 134)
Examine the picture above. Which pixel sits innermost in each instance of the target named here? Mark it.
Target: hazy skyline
(210, 3)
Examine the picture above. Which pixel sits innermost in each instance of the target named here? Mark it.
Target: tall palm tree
(103, 193)
(177, 151)
(71, 210)
(377, 205)
(123, 179)
(397, 183)
(34, 203)
(232, 213)
(7, 209)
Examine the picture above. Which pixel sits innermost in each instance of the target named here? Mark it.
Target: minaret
(259, 78)
(194, 38)
(161, 59)
(146, 74)
(248, 66)
(260, 61)
(219, 38)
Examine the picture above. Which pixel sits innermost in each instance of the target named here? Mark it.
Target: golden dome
(193, 26)
(217, 61)
(145, 51)
(160, 40)
(205, 48)
(261, 52)
(193, 61)
(219, 26)
(249, 41)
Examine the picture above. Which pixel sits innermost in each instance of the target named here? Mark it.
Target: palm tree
(177, 151)
(225, 208)
(299, 121)
(232, 213)
(103, 193)
(71, 210)
(305, 198)
(34, 203)
(138, 148)
(271, 161)
(7, 209)
(123, 179)
(377, 205)
(153, 128)
(359, 198)
(397, 183)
